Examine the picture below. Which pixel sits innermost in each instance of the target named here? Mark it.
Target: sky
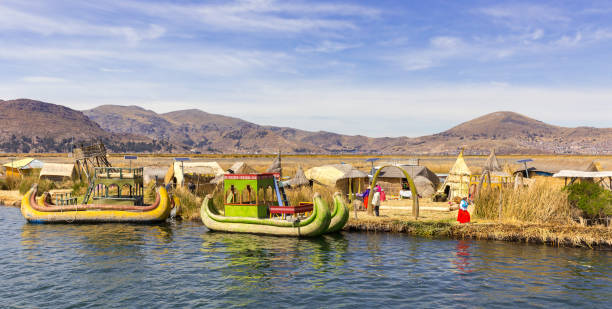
(375, 68)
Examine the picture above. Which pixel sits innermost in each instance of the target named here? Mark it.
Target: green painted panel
(251, 211)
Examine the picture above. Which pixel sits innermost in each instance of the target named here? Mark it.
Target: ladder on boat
(90, 189)
(281, 196)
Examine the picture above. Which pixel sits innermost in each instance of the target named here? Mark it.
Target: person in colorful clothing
(463, 216)
(376, 202)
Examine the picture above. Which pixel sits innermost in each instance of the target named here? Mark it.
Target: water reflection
(182, 265)
(254, 259)
(462, 257)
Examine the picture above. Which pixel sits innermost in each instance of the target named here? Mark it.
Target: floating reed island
(538, 209)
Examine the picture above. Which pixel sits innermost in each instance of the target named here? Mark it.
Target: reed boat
(339, 216)
(313, 225)
(40, 211)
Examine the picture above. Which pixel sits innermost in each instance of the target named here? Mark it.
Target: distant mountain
(28, 125)
(510, 132)
(198, 131)
(34, 126)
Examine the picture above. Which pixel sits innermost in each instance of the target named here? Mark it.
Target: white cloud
(18, 20)
(252, 16)
(326, 47)
(568, 41)
(515, 15)
(43, 79)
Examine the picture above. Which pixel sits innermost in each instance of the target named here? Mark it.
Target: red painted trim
(251, 176)
(290, 209)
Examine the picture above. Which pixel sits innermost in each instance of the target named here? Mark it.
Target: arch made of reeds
(415, 196)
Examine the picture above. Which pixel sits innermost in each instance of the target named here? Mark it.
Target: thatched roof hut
(299, 179)
(275, 167)
(392, 180)
(180, 170)
(57, 171)
(458, 181)
(26, 166)
(153, 173)
(236, 168)
(543, 167)
(241, 168)
(492, 165)
(343, 177)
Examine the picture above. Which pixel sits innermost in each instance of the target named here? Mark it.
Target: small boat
(339, 217)
(40, 211)
(311, 226)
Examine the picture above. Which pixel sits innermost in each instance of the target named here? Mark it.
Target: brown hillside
(34, 126)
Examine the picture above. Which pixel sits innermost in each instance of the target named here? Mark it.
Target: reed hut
(241, 168)
(236, 168)
(543, 167)
(457, 182)
(199, 173)
(154, 173)
(58, 172)
(23, 167)
(275, 167)
(493, 166)
(299, 180)
(392, 180)
(340, 177)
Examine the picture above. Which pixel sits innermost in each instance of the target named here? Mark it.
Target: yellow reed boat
(39, 211)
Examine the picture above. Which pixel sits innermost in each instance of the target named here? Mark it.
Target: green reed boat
(248, 209)
(339, 216)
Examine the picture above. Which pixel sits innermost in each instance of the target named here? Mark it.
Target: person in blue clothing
(463, 216)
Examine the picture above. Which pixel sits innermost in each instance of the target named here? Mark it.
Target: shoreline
(10, 198)
(587, 237)
(570, 235)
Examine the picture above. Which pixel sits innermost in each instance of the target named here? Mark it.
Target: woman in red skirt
(463, 216)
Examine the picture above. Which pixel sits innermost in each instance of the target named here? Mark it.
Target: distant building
(58, 172)
(22, 167)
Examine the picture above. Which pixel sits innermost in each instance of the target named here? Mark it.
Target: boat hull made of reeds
(312, 226)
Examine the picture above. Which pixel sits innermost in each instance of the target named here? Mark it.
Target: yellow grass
(543, 202)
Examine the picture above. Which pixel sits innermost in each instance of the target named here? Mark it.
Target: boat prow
(311, 226)
(340, 215)
(37, 211)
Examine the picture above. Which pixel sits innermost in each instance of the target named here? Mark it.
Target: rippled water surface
(183, 265)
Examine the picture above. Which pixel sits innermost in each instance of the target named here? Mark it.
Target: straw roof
(458, 179)
(555, 166)
(179, 169)
(460, 167)
(149, 173)
(330, 174)
(57, 169)
(492, 165)
(236, 168)
(24, 163)
(241, 168)
(424, 186)
(276, 165)
(412, 170)
(299, 179)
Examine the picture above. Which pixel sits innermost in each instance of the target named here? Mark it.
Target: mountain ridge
(198, 131)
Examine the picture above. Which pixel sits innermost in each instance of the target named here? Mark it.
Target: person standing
(366, 196)
(463, 216)
(376, 201)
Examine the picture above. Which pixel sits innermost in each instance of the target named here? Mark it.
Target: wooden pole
(499, 211)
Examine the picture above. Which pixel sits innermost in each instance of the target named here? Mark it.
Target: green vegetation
(594, 201)
(23, 184)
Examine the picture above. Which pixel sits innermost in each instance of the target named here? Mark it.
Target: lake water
(181, 264)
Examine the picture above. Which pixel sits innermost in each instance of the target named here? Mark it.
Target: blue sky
(377, 68)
